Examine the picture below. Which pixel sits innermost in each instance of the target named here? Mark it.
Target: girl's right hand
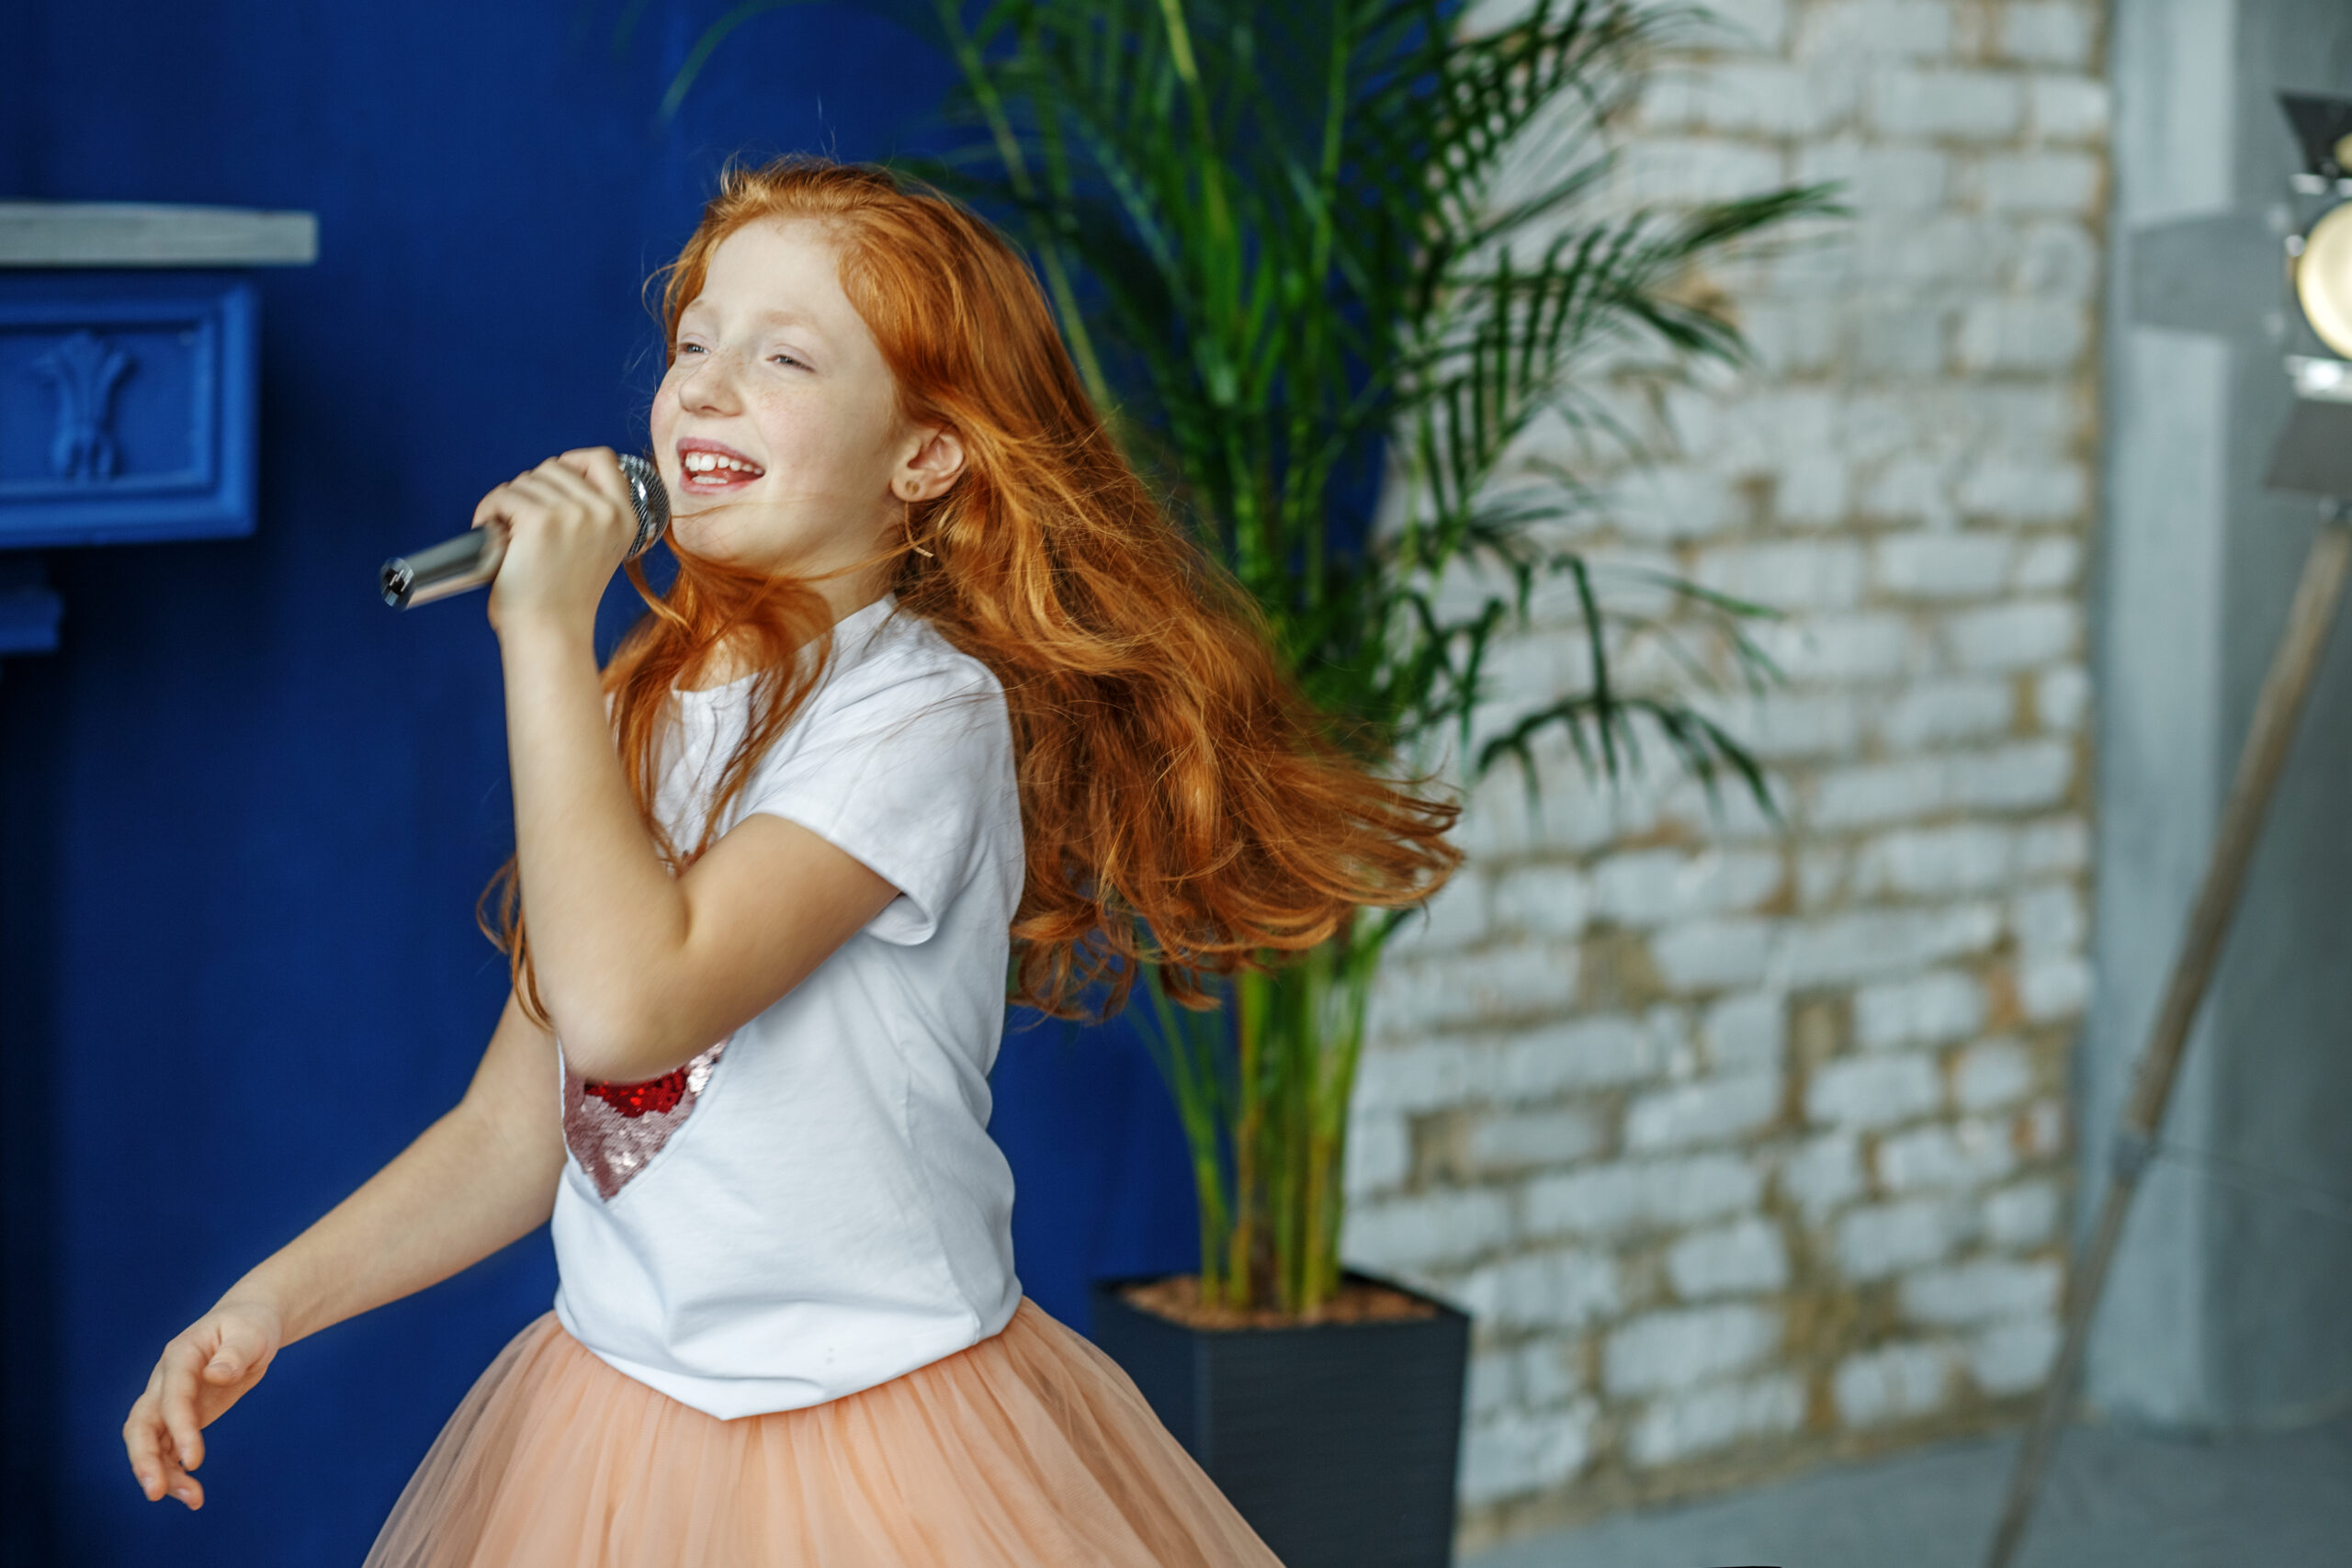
(206, 1369)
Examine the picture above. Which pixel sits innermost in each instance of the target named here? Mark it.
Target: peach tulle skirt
(1029, 1449)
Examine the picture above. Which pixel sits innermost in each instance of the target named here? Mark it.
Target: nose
(706, 382)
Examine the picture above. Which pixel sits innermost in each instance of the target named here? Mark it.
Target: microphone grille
(651, 498)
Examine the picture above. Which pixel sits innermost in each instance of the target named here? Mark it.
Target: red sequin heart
(659, 1096)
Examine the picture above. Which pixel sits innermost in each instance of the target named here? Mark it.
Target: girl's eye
(685, 348)
(786, 360)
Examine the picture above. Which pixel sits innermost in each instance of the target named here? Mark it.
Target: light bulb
(2324, 278)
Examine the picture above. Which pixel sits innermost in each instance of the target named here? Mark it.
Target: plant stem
(1250, 1029)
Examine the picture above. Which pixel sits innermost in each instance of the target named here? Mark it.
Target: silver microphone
(473, 558)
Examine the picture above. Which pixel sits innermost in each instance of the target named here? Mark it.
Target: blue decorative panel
(126, 407)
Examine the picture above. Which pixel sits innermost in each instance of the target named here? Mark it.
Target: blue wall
(244, 810)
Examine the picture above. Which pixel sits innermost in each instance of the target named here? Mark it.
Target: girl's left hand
(569, 523)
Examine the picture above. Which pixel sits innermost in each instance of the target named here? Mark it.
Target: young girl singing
(938, 695)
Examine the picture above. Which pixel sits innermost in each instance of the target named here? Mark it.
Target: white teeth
(710, 462)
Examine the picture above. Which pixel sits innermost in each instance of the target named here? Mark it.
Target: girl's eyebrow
(784, 316)
(775, 316)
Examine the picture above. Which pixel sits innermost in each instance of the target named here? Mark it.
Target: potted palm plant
(1328, 261)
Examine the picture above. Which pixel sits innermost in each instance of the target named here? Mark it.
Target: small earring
(910, 522)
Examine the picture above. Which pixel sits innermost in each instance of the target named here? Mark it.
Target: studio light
(2314, 453)
(2323, 274)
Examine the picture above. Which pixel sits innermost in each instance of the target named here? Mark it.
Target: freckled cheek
(798, 433)
(662, 424)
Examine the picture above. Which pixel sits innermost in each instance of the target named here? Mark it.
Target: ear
(930, 466)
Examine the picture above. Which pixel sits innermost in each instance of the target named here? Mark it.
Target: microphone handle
(473, 558)
(453, 566)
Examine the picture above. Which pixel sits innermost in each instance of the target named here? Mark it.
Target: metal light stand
(2314, 455)
(2267, 744)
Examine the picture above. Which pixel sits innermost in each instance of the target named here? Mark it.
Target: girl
(936, 688)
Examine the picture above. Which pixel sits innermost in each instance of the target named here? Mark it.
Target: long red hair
(1181, 804)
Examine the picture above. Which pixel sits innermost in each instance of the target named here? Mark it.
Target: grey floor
(2114, 1499)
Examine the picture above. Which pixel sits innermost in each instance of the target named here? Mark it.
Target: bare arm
(639, 969)
(482, 1175)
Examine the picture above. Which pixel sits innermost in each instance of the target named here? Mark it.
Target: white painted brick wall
(1522, 1140)
(1961, 857)
(1863, 29)
(1735, 1259)
(2041, 182)
(1710, 1418)
(1380, 1152)
(1428, 1229)
(2055, 988)
(1516, 1453)
(2011, 1357)
(1748, 1031)
(2022, 1216)
(1713, 1110)
(1943, 1154)
(1741, 1135)
(1878, 1240)
(1823, 1175)
(1586, 1054)
(1650, 888)
(1992, 1074)
(2021, 635)
(2069, 108)
(1545, 1290)
(1679, 1347)
(1932, 713)
(1894, 1383)
(1972, 1292)
(1923, 1009)
(1875, 1091)
(2045, 34)
(1960, 104)
(1636, 1196)
(1708, 956)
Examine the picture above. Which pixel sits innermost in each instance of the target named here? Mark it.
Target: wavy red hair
(1182, 805)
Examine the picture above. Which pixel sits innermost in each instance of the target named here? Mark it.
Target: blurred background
(1750, 1146)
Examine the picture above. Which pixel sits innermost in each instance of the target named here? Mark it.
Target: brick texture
(1745, 1139)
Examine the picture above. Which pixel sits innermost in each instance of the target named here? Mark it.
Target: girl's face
(777, 427)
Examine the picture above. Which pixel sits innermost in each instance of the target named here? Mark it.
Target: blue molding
(127, 407)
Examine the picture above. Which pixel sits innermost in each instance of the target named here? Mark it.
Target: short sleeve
(909, 774)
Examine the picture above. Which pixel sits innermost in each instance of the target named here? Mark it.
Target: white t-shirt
(814, 1206)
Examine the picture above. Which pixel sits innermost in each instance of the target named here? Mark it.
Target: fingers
(160, 1476)
(182, 1359)
(569, 523)
(595, 488)
(153, 1464)
(558, 491)
(601, 466)
(142, 1444)
(498, 506)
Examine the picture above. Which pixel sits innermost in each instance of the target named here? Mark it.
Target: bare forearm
(463, 1189)
(640, 969)
(605, 915)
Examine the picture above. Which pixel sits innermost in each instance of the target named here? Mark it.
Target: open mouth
(709, 469)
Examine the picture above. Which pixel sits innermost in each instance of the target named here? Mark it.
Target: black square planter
(1337, 1441)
